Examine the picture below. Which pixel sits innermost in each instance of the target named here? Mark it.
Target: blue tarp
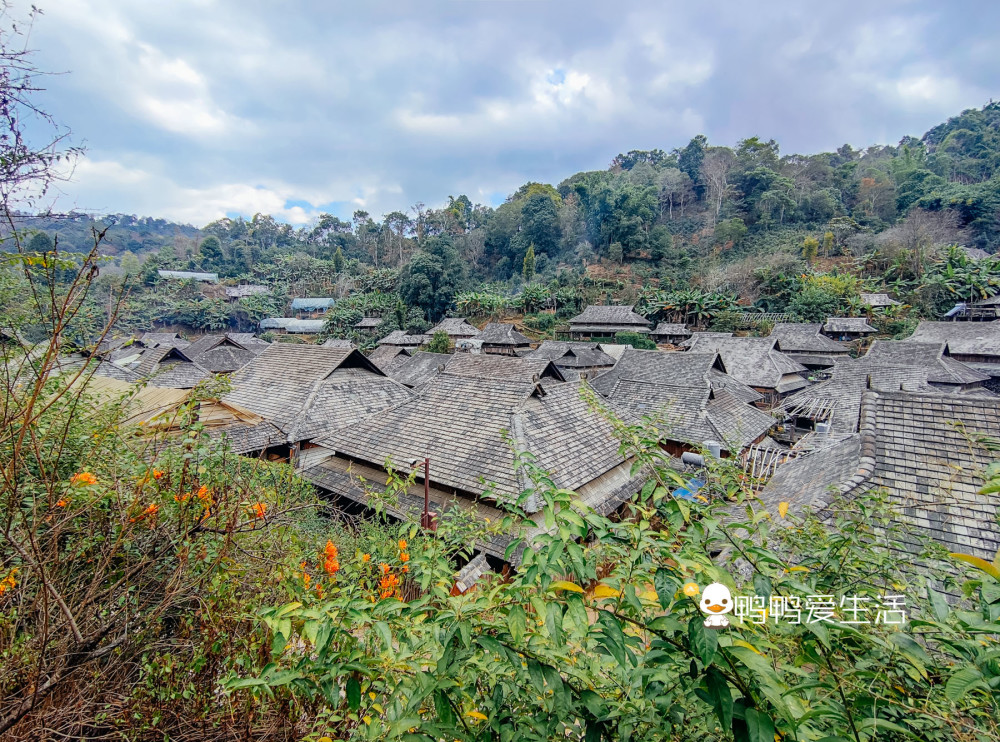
(690, 489)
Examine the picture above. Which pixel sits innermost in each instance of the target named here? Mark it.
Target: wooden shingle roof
(963, 338)
(929, 356)
(659, 368)
(368, 323)
(857, 325)
(500, 333)
(672, 328)
(805, 337)
(157, 339)
(923, 451)
(219, 353)
(343, 398)
(400, 338)
(249, 289)
(454, 327)
(420, 368)
(277, 383)
(461, 423)
(754, 361)
(603, 317)
(387, 357)
(879, 300)
(838, 399)
(572, 355)
(692, 413)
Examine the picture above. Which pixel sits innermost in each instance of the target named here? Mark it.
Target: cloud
(198, 108)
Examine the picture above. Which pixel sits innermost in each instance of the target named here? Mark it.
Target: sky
(192, 110)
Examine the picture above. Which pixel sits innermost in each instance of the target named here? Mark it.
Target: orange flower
(306, 579)
(257, 509)
(385, 568)
(157, 474)
(402, 545)
(203, 493)
(366, 557)
(62, 503)
(182, 498)
(404, 557)
(330, 550)
(405, 568)
(84, 477)
(8, 582)
(149, 512)
(319, 590)
(332, 566)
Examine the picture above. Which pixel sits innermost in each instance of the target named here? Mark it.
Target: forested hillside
(692, 233)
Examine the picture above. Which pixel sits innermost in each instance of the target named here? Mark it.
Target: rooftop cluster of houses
(794, 407)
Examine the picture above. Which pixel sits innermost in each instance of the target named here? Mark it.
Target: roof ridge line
(867, 429)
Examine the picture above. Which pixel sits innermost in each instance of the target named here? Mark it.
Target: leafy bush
(440, 343)
(605, 640)
(636, 340)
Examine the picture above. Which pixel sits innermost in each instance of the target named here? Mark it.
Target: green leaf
(665, 586)
(912, 651)
(759, 726)
(353, 694)
(978, 563)
(938, 604)
(962, 682)
(722, 698)
(704, 641)
(444, 710)
(516, 623)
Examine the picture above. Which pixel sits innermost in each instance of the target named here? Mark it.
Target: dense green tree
(810, 248)
(528, 267)
(338, 260)
(433, 277)
(440, 343)
(540, 223)
(210, 251)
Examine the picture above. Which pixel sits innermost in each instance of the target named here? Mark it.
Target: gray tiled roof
(658, 367)
(929, 356)
(805, 337)
(399, 337)
(388, 357)
(454, 327)
(671, 328)
(924, 451)
(337, 343)
(879, 300)
(461, 422)
(963, 338)
(598, 316)
(277, 383)
(368, 323)
(157, 339)
(695, 336)
(572, 355)
(692, 413)
(754, 361)
(975, 253)
(219, 353)
(419, 369)
(857, 325)
(850, 379)
(343, 398)
(500, 333)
